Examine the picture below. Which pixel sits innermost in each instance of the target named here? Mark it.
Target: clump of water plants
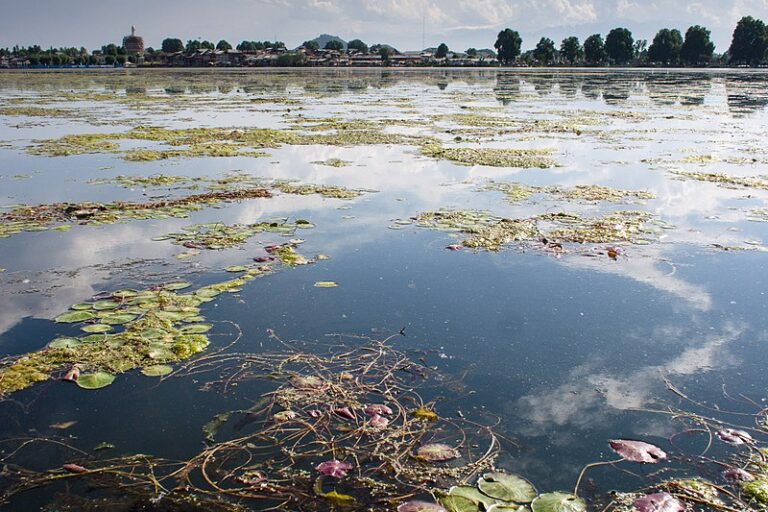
(43, 217)
(517, 192)
(216, 235)
(523, 158)
(724, 180)
(154, 180)
(329, 191)
(333, 162)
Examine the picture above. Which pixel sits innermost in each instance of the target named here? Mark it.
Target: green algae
(490, 232)
(43, 217)
(29, 111)
(756, 491)
(518, 192)
(724, 180)
(158, 326)
(333, 162)
(155, 180)
(522, 158)
(216, 236)
(328, 191)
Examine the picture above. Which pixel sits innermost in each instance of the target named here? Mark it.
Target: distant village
(324, 51)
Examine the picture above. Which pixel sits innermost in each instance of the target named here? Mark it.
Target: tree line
(749, 46)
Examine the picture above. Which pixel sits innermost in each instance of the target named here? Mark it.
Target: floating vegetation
(209, 141)
(35, 112)
(42, 217)
(517, 192)
(156, 327)
(724, 180)
(329, 191)
(217, 236)
(155, 180)
(334, 429)
(523, 158)
(491, 232)
(333, 162)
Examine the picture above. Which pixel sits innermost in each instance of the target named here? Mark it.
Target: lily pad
(178, 285)
(95, 380)
(157, 370)
(72, 317)
(506, 487)
(458, 504)
(102, 305)
(436, 452)
(196, 328)
(64, 343)
(558, 502)
(118, 318)
(472, 494)
(637, 451)
(96, 328)
(658, 502)
(422, 506)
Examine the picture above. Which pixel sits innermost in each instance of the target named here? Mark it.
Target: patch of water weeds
(155, 326)
(63, 215)
(724, 180)
(211, 141)
(333, 162)
(493, 157)
(329, 191)
(155, 180)
(490, 232)
(217, 236)
(517, 192)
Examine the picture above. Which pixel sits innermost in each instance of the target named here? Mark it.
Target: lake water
(564, 342)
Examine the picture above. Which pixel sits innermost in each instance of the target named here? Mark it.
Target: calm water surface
(564, 349)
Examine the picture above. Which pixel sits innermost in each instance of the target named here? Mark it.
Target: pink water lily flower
(378, 409)
(334, 468)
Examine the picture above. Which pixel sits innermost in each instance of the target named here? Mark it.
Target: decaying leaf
(658, 502)
(334, 468)
(637, 451)
(436, 452)
(420, 506)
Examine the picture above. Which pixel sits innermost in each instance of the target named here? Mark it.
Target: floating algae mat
(516, 192)
(128, 329)
(491, 232)
(524, 158)
(724, 180)
(215, 236)
(209, 142)
(43, 217)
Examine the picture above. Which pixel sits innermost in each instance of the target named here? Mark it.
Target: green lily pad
(95, 328)
(473, 495)
(71, 317)
(459, 504)
(506, 487)
(157, 370)
(179, 285)
(196, 328)
(95, 380)
(123, 294)
(82, 306)
(94, 338)
(102, 305)
(118, 318)
(558, 502)
(236, 268)
(64, 343)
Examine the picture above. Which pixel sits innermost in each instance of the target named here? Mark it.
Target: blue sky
(460, 23)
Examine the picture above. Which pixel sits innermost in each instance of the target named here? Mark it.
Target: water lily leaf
(82, 306)
(637, 451)
(506, 487)
(94, 338)
(157, 370)
(196, 328)
(558, 502)
(95, 380)
(71, 317)
(338, 499)
(436, 452)
(423, 506)
(179, 285)
(735, 437)
(500, 507)
(124, 294)
(658, 502)
(102, 305)
(96, 328)
(118, 318)
(326, 284)
(459, 504)
(236, 268)
(64, 343)
(472, 494)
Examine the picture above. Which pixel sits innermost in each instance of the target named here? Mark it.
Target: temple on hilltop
(133, 44)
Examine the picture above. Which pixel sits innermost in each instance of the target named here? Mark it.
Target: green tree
(697, 48)
(172, 45)
(471, 52)
(334, 44)
(207, 45)
(666, 46)
(750, 41)
(571, 50)
(594, 49)
(250, 46)
(619, 46)
(385, 52)
(507, 45)
(442, 51)
(545, 51)
(192, 46)
(312, 46)
(223, 45)
(358, 45)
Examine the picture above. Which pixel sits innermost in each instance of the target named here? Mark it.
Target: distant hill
(323, 39)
